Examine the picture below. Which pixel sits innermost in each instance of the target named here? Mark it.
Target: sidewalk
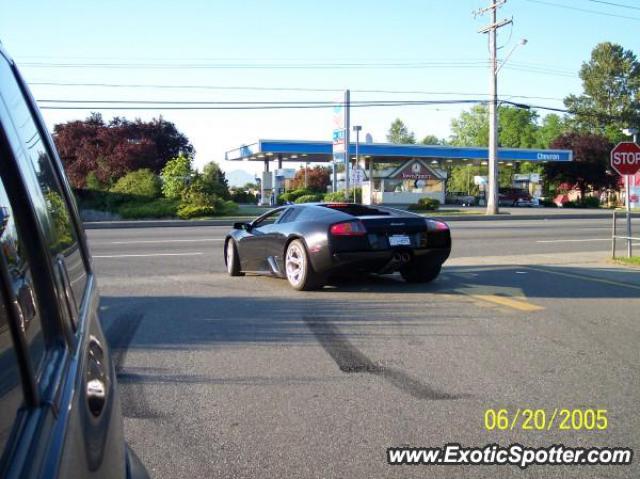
(475, 214)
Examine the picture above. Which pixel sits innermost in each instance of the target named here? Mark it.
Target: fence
(627, 237)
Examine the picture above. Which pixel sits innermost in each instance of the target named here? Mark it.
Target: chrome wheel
(295, 264)
(230, 257)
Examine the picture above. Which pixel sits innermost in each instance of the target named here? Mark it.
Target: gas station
(401, 173)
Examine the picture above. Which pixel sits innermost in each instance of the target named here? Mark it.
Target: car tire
(231, 259)
(298, 269)
(418, 272)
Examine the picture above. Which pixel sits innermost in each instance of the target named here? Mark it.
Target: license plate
(399, 240)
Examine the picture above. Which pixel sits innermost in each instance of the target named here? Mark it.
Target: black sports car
(309, 243)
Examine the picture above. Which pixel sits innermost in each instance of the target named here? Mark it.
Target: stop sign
(625, 158)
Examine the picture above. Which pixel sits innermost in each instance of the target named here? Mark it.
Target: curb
(449, 218)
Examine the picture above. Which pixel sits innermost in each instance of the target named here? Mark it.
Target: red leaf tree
(111, 150)
(590, 165)
(318, 178)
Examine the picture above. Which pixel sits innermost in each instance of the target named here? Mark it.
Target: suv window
(11, 396)
(41, 183)
(21, 280)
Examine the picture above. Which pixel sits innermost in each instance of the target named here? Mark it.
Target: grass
(633, 261)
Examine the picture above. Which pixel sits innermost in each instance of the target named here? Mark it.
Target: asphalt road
(243, 377)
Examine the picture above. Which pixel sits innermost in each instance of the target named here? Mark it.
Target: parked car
(462, 199)
(514, 197)
(60, 414)
(309, 243)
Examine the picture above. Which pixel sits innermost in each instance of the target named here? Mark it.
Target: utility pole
(347, 152)
(492, 29)
(357, 129)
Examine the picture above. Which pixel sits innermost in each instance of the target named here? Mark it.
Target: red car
(514, 197)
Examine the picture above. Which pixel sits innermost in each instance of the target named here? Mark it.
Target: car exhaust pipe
(397, 259)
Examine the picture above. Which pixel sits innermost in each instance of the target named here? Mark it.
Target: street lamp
(357, 129)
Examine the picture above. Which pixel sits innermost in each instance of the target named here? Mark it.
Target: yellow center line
(520, 305)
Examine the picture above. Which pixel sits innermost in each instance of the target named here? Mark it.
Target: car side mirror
(242, 226)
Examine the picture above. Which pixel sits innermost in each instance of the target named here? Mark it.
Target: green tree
(471, 128)
(176, 176)
(215, 180)
(432, 140)
(142, 182)
(461, 179)
(517, 127)
(399, 133)
(611, 92)
(553, 126)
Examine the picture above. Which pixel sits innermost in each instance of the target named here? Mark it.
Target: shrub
(588, 202)
(158, 208)
(141, 182)
(93, 183)
(337, 196)
(308, 198)
(226, 207)
(187, 211)
(591, 202)
(241, 196)
(425, 204)
(294, 195)
(103, 200)
(176, 175)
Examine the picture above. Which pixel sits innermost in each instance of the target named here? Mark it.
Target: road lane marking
(144, 255)
(587, 277)
(165, 241)
(581, 240)
(509, 296)
(509, 302)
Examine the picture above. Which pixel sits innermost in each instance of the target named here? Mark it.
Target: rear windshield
(357, 210)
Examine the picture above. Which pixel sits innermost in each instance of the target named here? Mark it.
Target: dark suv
(59, 407)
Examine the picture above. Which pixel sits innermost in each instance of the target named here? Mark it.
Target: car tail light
(348, 228)
(433, 225)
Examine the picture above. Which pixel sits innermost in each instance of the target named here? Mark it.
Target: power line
(586, 10)
(268, 66)
(162, 105)
(613, 4)
(284, 89)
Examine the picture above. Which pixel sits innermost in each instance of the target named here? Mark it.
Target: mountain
(239, 178)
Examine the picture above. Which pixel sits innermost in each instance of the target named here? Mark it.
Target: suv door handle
(96, 377)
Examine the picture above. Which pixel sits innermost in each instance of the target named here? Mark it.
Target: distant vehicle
(462, 199)
(514, 197)
(310, 243)
(60, 413)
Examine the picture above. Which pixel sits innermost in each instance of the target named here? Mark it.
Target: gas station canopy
(321, 151)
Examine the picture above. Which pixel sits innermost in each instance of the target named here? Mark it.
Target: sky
(284, 50)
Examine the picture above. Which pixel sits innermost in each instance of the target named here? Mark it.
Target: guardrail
(614, 236)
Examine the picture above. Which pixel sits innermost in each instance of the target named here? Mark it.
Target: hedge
(425, 204)
(309, 198)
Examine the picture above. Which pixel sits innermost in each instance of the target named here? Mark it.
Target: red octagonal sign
(625, 158)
